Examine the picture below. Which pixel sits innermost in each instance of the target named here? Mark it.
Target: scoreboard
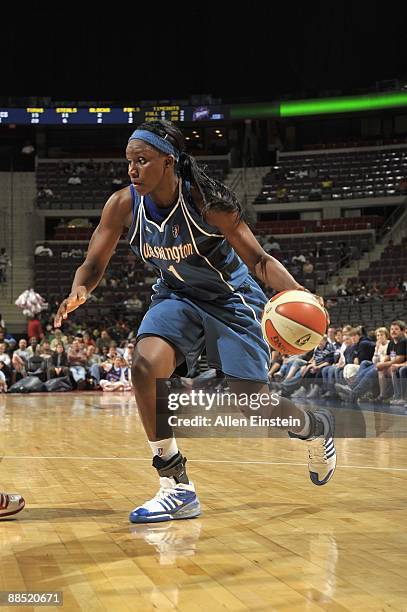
(110, 116)
(93, 115)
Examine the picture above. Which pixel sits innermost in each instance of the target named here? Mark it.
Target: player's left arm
(267, 269)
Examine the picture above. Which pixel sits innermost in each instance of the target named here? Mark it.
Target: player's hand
(72, 302)
(320, 300)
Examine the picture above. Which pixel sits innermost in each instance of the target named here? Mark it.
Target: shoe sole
(19, 509)
(188, 512)
(319, 483)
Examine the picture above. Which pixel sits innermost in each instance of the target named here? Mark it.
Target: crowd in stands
(360, 291)
(86, 184)
(344, 175)
(78, 357)
(349, 364)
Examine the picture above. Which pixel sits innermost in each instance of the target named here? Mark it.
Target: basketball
(294, 322)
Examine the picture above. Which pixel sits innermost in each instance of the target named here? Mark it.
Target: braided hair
(215, 195)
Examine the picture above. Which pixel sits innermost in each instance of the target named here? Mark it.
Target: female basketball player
(190, 228)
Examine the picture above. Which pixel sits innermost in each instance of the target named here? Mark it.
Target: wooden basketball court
(267, 539)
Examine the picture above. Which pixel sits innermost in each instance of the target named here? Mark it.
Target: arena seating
(298, 226)
(96, 178)
(371, 314)
(53, 275)
(353, 174)
(390, 267)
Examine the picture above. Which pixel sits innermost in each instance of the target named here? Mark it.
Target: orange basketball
(294, 322)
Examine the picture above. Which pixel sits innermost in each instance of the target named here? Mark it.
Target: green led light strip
(324, 106)
(342, 105)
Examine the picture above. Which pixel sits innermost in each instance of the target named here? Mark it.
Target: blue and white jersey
(190, 256)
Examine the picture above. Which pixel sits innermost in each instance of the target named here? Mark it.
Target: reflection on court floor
(267, 538)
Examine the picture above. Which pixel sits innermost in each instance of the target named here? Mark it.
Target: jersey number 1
(175, 273)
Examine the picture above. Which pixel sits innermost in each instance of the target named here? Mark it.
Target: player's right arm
(115, 218)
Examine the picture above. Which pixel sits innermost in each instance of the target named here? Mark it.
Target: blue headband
(156, 141)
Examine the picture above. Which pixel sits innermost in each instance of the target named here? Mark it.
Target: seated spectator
(8, 339)
(93, 357)
(88, 340)
(396, 353)
(58, 338)
(3, 382)
(32, 346)
(303, 173)
(333, 374)
(4, 356)
(133, 304)
(299, 258)
(308, 267)
(117, 184)
(339, 288)
(37, 366)
(275, 363)
(338, 339)
(363, 348)
(20, 358)
(45, 350)
(117, 377)
(271, 244)
(281, 193)
(74, 180)
(103, 340)
(290, 371)
(58, 365)
(311, 373)
(77, 359)
(398, 372)
(43, 250)
(45, 193)
(128, 354)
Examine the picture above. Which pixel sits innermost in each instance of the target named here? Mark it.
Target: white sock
(305, 431)
(165, 449)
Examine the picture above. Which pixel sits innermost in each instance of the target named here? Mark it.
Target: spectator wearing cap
(128, 354)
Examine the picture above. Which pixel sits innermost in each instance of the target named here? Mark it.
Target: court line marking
(87, 458)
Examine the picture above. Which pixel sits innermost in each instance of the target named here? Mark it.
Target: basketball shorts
(229, 328)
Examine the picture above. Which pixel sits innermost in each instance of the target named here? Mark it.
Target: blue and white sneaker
(321, 460)
(10, 504)
(321, 450)
(173, 501)
(321, 447)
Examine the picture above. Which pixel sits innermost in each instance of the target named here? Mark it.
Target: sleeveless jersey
(190, 256)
